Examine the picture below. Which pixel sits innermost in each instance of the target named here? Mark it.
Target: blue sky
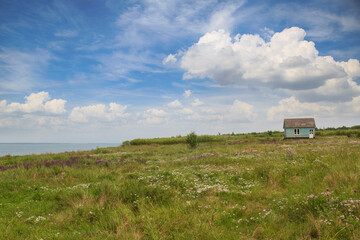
(109, 71)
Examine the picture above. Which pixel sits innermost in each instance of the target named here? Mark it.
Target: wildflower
(39, 218)
(354, 190)
(327, 189)
(19, 214)
(342, 216)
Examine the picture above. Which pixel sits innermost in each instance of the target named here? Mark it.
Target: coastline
(19, 149)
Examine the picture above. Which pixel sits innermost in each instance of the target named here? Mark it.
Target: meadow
(236, 186)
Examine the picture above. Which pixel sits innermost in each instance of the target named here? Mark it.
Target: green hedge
(172, 140)
(347, 132)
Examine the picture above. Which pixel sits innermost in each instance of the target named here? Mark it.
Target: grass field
(248, 186)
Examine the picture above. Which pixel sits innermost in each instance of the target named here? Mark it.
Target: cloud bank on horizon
(153, 68)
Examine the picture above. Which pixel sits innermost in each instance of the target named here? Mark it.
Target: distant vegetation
(254, 136)
(234, 186)
(172, 140)
(340, 131)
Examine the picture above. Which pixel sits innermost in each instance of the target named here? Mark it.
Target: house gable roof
(299, 122)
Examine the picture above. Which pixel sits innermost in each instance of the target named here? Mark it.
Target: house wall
(303, 133)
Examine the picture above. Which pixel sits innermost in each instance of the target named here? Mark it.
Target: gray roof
(299, 122)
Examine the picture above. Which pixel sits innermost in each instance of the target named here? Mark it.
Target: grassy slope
(237, 187)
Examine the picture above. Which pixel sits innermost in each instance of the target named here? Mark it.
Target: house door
(311, 133)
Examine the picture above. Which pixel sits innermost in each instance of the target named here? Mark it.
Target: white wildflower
(39, 218)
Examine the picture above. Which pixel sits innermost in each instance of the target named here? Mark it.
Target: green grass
(245, 186)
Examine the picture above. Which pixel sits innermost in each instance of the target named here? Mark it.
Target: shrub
(191, 139)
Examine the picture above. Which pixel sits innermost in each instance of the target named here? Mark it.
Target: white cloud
(197, 102)
(351, 108)
(117, 110)
(240, 111)
(99, 112)
(170, 59)
(224, 17)
(35, 102)
(195, 111)
(153, 116)
(333, 90)
(187, 93)
(291, 107)
(37, 110)
(174, 104)
(351, 67)
(81, 114)
(185, 111)
(155, 112)
(286, 62)
(55, 106)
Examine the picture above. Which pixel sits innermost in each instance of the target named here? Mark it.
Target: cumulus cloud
(286, 62)
(37, 110)
(334, 90)
(153, 116)
(240, 111)
(55, 106)
(196, 110)
(351, 108)
(35, 102)
(99, 112)
(291, 107)
(174, 104)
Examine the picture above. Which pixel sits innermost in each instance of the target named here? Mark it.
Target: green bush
(191, 140)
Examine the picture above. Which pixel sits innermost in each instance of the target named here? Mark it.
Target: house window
(311, 131)
(296, 131)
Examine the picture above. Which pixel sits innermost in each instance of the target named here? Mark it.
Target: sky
(110, 71)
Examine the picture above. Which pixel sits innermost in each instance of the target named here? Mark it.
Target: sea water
(38, 148)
